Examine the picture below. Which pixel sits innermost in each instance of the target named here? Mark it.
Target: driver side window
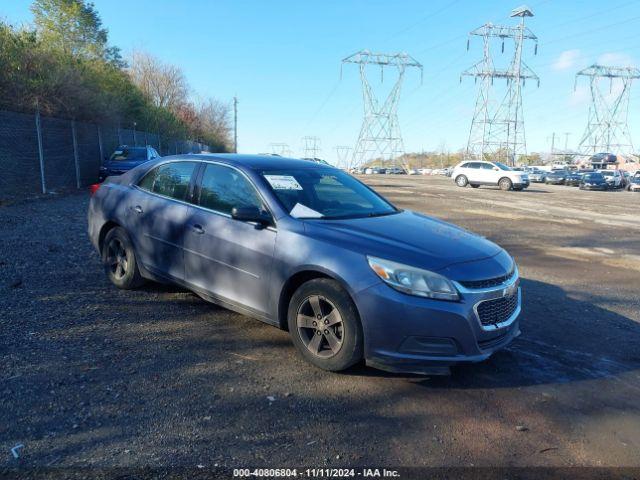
(223, 188)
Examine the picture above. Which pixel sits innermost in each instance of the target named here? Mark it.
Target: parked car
(489, 173)
(425, 171)
(593, 181)
(310, 249)
(125, 158)
(395, 171)
(537, 176)
(613, 178)
(556, 177)
(634, 184)
(573, 178)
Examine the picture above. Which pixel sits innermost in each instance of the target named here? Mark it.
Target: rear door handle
(138, 209)
(197, 229)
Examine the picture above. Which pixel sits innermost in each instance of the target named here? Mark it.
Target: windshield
(607, 174)
(593, 176)
(325, 193)
(135, 153)
(501, 166)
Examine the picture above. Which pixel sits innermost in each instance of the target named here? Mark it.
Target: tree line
(64, 66)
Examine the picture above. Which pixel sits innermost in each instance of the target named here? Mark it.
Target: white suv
(612, 177)
(476, 173)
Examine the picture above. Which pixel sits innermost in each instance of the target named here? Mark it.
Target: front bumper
(404, 333)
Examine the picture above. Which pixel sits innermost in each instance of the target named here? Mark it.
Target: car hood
(408, 237)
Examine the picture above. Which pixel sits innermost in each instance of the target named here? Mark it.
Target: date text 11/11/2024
(317, 472)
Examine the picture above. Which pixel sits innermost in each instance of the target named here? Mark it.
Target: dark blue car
(309, 248)
(125, 158)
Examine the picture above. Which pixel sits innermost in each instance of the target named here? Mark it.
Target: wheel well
(103, 232)
(289, 289)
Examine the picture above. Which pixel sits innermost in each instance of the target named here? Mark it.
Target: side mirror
(250, 214)
(496, 168)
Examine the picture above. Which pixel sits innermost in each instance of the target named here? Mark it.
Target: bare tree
(164, 84)
(214, 120)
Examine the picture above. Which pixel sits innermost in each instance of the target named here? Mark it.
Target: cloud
(615, 59)
(566, 60)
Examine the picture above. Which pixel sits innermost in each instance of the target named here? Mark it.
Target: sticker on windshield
(283, 182)
(300, 211)
(118, 152)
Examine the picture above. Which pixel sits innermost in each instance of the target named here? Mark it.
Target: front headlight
(413, 281)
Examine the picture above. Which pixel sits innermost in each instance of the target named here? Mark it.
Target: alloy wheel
(117, 259)
(320, 326)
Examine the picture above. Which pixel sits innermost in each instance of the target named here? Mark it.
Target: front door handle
(138, 209)
(197, 229)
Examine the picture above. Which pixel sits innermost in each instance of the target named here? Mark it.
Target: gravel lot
(93, 376)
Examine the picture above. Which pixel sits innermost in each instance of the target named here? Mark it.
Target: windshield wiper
(383, 214)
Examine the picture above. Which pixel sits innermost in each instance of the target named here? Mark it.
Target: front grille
(497, 310)
(488, 283)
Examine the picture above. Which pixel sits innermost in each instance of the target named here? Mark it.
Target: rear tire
(119, 260)
(324, 325)
(505, 184)
(461, 181)
(474, 185)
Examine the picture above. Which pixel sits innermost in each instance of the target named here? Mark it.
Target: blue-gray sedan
(311, 249)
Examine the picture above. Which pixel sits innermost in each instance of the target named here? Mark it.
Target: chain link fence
(41, 154)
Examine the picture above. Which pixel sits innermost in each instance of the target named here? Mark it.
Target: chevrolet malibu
(310, 249)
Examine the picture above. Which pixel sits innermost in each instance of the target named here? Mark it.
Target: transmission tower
(380, 137)
(311, 147)
(497, 129)
(342, 152)
(608, 128)
(281, 149)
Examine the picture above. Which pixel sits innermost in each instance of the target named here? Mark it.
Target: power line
(498, 133)
(380, 136)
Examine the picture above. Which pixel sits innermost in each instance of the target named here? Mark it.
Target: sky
(282, 59)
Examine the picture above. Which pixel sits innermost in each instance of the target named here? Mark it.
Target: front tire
(505, 184)
(324, 325)
(461, 181)
(119, 260)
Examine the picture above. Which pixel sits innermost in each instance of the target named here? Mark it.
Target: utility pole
(553, 142)
(498, 133)
(281, 149)
(566, 141)
(342, 152)
(607, 126)
(235, 124)
(380, 137)
(311, 147)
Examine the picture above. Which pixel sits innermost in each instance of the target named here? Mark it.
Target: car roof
(255, 162)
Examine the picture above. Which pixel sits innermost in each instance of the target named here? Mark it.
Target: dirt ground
(96, 377)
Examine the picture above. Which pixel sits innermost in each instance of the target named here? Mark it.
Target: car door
(487, 174)
(472, 172)
(157, 211)
(230, 259)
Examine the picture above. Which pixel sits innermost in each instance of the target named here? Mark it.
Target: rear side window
(170, 179)
(223, 188)
(134, 153)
